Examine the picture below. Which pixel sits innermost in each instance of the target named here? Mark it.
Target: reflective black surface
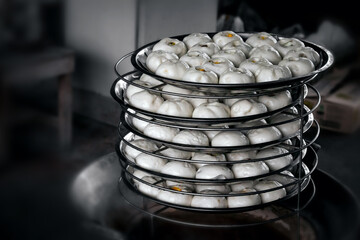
(333, 213)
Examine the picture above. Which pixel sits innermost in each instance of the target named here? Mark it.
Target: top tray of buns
(228, 60)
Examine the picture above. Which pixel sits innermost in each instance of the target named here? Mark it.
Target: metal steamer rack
(300, 145)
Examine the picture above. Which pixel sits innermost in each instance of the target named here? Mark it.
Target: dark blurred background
(56, 69)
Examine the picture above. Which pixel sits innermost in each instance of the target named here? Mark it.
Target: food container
(182, 190)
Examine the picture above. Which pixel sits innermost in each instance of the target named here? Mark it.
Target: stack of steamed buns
(223, 59)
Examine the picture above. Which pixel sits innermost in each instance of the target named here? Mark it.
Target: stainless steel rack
(300, 145)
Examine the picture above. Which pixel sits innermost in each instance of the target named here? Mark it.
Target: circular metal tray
(128, 128)
(308, 120)
(303, 181)
(119, 88)
(297, 153)
(293, 149)
(138, 60)
(124, 161)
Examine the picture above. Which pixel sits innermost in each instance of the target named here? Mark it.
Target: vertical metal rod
(302, 95)
(145, 207)
(152, 230)
(137, 23)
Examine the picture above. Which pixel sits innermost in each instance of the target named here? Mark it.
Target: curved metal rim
(156, 213)
(125, 162)
(120, 98)
(127, 107)
(251, 92)
(123, 143)
(308, 115)
(294, 149)
(211, 210)
(321, 50)
(305, 181)
(204, 148)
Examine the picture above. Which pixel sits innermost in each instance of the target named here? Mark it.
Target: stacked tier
(217, 122)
